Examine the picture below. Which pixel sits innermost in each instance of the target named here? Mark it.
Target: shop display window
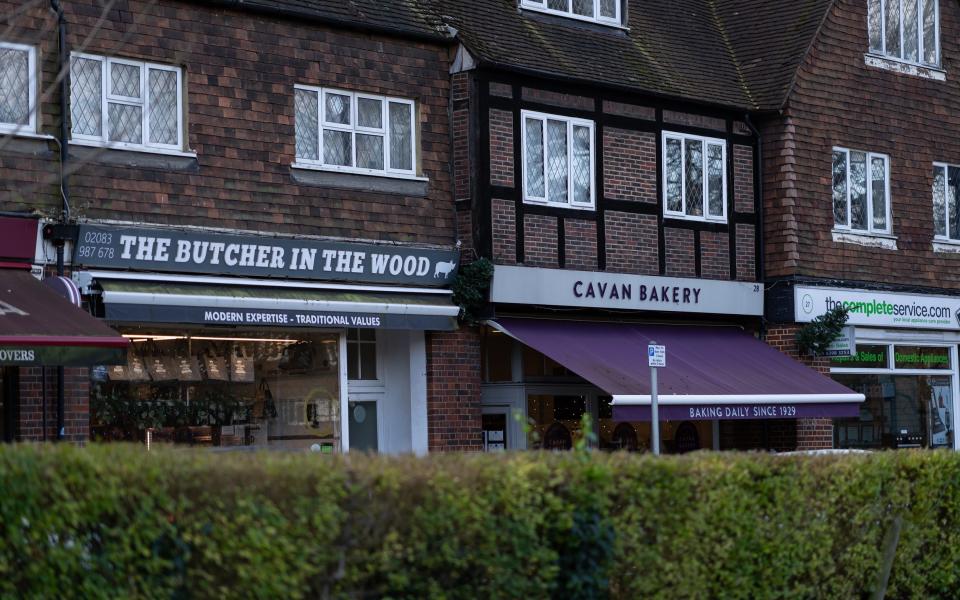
(211, 389)
(909, 393)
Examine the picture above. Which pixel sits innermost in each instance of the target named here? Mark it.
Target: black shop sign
(177, 251)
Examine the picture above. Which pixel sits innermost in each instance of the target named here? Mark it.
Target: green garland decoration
(470, 289)
(816, 336)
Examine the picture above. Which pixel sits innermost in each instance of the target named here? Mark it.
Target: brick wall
(580, 240)
(453, 390)
(76, 403)
(630, 165)
(501, 147)
(540, 241)
(504, 231)
(743, 194)
(239, 73)
(746, 253)
(714, 255)
(678, 244)
(628, 238)
(812, 434)
(839, 101)
(632, 243)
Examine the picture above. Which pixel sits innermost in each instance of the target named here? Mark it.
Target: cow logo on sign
(443, 269)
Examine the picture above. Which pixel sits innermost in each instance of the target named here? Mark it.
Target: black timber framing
(602, 120)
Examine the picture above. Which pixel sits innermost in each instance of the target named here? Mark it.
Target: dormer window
(598, 11)
(907, 30)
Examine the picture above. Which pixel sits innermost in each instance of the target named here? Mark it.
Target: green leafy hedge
(115, 521)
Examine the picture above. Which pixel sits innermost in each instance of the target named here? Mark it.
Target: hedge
(116, 521)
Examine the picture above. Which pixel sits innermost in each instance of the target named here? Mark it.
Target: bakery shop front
(243, 341)
(568, 343)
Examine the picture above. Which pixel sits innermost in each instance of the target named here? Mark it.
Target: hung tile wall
(837, 100)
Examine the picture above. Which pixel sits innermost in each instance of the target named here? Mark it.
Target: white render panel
(589, 289)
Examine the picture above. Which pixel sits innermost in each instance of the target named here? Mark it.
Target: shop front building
(262, 208)
(904, 362)
(619, 202)
(721, 388)
(281, 342)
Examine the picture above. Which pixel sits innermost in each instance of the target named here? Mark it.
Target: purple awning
(711, 372)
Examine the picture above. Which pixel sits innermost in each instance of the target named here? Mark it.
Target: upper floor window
(905, 29)
(946, 196)
(126, 104)
(861, 191)
(354, 132)
(694, 177)
(558, 160)
(600, 11)
(18, 88)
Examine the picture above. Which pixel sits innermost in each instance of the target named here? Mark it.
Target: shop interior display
(207, 388)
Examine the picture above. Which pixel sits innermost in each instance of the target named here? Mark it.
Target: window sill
(561, 206)
(870, 240)
(689, 219)
(107, 155)
(137, 149)
(389, 183)
(29, 135)
(904, 68)
(945, 246)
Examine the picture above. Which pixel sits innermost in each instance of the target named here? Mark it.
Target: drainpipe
(758, 175)
(64, 68)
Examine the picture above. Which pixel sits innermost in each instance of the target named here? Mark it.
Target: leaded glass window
(353, 132)
(905, 30)
(694, 176)
(861, 191)
(18, 91)
(126, 104)
(599, 11)
(558, 160)
(946, 195)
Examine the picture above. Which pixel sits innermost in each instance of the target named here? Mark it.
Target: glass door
(363, 425)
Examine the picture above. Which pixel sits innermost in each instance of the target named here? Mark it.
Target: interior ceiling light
(143, 337)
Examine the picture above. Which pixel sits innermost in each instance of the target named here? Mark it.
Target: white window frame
(570, 123)
(541, 6)
(354, 128)
(946, 204)
(920, 47)
(682, 213)
(103, 140)
(377, 343)
(870, 230)
(31, 126)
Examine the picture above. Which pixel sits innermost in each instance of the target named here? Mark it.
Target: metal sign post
(656, 358)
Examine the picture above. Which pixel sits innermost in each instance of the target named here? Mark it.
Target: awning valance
(132, 301)
(40, 327)
(711, 372)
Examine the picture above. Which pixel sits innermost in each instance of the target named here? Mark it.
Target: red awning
(39, 327)
(711, 372)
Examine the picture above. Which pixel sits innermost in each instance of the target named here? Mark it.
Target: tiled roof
(735, 53)
(404, 17)
(770, 38)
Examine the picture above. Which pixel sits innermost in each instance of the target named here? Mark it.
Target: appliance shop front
(905, 364)
(568, 343)
(249, 341)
